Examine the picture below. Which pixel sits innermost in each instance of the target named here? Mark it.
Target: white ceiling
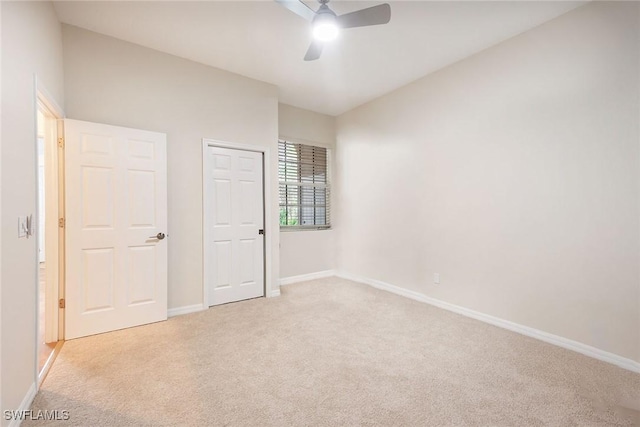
(265, 41)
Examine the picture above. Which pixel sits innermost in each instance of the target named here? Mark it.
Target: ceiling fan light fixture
(325, 27)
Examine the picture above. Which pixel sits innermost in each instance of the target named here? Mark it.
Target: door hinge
(61, 303)
(61, 142)
(61, 222)
(261, 231)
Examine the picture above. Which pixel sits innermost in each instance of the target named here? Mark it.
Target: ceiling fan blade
(375, 15)
(314, 51)
(299, 8)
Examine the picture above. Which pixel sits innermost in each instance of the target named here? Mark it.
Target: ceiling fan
(326, 24)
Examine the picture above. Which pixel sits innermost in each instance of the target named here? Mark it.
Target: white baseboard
(24, 405)
(579, 347)
(274, 293)
(305, 277)
(49, 363)
(179, 311)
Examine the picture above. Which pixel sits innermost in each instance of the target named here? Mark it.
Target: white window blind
(304, 186)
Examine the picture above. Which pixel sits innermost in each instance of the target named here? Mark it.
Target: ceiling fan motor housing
(323, 12)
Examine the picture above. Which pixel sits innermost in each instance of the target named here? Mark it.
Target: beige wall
(31, 45)
(306, 126)
(1, 223)
(514, 174)
(304, 252)
(114, 82)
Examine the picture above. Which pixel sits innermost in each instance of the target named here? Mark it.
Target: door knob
(158, 236)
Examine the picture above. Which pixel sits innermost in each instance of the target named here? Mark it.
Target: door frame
(54, 235)
(266, 205)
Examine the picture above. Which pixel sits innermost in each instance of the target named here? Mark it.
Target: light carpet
(331, 353)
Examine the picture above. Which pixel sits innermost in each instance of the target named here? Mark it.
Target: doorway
(49, 236)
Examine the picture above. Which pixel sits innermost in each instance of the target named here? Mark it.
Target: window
(304, 186)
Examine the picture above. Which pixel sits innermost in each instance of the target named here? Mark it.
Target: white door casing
(50, 235)
(41, 200)
(234, 212)
(116, 202)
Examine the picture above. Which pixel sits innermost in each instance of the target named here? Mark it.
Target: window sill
(290, 229)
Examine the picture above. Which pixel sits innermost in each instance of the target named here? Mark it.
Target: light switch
(25, 224)
(22, 226)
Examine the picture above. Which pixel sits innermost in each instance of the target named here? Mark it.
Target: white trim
(269, 227)
(208, 142)
(274, 293)
(559, 341)
(49, 363)
(61, 233)
(179, 311)
(305, 228)
(305, 277)
(48, 100)
(53, 234)
(24, 405)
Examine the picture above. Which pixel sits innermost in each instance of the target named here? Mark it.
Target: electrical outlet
(436, 278)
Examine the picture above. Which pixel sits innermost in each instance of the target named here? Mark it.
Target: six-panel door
(234, 210)
(116, 203)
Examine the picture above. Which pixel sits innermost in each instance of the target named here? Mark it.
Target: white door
(116, 220)
(234, 234)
